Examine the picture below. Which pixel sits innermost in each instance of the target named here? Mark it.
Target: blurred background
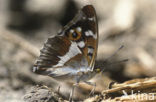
(26, 24)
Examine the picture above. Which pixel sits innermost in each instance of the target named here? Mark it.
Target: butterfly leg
(111, 84)
(93, 89)
(58, 89)
(72, 92)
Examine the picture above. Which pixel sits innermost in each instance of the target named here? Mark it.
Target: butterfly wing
(73, 47)
(90, 33)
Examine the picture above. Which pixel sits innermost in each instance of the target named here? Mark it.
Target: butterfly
(71, 54)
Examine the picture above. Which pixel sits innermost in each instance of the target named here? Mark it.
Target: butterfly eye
(75, 34)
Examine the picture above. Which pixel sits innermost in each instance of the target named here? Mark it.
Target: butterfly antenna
(117, 62)
(114, 53)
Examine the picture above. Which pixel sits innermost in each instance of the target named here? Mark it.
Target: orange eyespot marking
(75, 34)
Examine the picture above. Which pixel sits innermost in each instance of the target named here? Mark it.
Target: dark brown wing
(79, 38)
(49, 54)
(92, 39)
(86, 20)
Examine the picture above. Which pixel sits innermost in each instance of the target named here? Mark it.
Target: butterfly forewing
(91, 33)
(74, 46)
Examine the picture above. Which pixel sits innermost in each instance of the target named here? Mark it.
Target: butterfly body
(71, 54)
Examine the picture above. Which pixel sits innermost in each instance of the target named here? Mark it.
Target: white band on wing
(73, 51)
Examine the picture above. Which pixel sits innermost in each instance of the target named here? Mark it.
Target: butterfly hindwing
(75, 45)
(86, 28)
